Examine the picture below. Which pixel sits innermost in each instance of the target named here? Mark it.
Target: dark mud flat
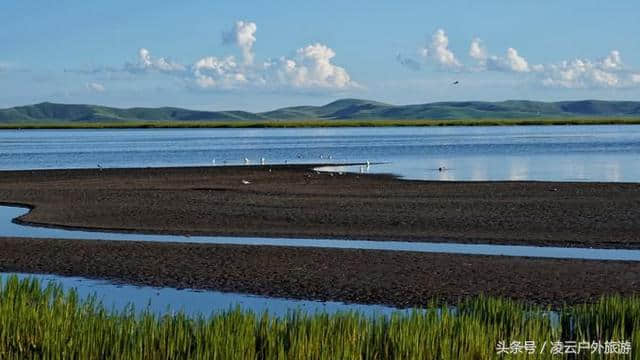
(295, 201)
(364, 276)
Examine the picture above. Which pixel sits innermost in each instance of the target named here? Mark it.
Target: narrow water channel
(10, 228)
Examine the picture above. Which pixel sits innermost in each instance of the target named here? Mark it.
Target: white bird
(368, 164)
(213, 161)
(246, 182)
(246, 160)
(262, 161)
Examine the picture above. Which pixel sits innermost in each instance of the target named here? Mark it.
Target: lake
(557, 153)
(554, 153)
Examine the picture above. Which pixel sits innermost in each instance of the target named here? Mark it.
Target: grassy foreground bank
(324, 123)
(45, 322)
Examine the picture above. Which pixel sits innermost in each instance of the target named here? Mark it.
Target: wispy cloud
(6, 67)
(408, 62)
(95, 87)
(148, 63)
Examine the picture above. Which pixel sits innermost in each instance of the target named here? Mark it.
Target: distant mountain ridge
(344, 109)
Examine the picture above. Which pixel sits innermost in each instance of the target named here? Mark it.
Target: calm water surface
(194, 302)
(9, 228)
(561, 153)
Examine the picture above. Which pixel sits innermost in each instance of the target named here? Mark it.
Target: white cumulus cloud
(477, 50)
(439, 50)
(311, 67)
(613, 61)
(211, 72)
(512, 61)
(243, 35)
(607, 72)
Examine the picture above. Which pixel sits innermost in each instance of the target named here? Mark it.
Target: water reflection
(557, 153)
(477, 168)
(518, 170)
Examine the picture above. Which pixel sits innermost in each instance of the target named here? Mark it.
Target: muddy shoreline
(295, 201)
(402, 279)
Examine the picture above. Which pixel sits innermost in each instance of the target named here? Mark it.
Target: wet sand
(401, 279)
(295, 201)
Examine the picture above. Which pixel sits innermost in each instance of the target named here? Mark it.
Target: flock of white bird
(263, 161)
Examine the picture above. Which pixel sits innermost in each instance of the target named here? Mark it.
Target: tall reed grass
(46, 322)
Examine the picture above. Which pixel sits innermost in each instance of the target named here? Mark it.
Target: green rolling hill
(344, 110)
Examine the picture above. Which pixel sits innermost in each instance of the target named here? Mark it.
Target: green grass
(322, 123)
(45, 322)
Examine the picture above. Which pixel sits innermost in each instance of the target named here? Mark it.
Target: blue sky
(259, 55)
